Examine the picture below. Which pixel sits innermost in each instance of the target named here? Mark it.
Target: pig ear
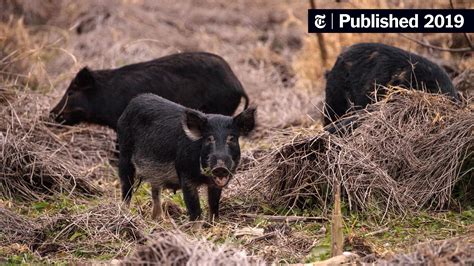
(245, 121)
(193, 124)
(85, 79)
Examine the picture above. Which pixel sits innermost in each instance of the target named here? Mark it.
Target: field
(406, 187)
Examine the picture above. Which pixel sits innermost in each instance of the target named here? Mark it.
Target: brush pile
(104, 229)
(455, 251)
(175, 248)
(407, 153)
(17, 229)
(39, 159)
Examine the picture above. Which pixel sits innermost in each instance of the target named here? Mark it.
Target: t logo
(319, 21)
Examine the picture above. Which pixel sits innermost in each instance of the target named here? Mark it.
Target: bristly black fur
(171, 146)
(352, 81)
(198, 80)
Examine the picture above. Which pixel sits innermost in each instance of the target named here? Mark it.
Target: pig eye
(70, 93)
(210, 139)
(231, 139)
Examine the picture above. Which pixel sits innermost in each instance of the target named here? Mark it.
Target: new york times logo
(387, 20)
(319, 21)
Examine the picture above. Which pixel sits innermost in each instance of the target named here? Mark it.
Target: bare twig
(264, 237)
(471, 45)
(337, 237)
(445, 252)
(281, 218)
(320, 38)
(428, 45)
(380, 231)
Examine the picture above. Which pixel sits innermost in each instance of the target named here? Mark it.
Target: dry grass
(17, 229)
(102, 230)
(280, 67)
(39, 159)
(23, 54)
(176, 248)
(455, 251)
(397, 158)
(464, 83)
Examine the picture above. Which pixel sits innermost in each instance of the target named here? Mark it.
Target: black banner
(390, 20)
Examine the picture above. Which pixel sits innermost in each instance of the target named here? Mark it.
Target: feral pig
(174, 147)
(352, 81)
(197, 80)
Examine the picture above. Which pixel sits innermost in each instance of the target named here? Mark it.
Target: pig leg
(191, 199)
(126, 173)
(334, 108)
(336, 103)
(157, 213)
(213, 198)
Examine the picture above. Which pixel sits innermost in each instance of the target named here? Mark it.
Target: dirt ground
(282, 70)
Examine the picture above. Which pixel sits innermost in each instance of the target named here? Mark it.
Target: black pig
(352, 81)
(175, 147)
(198, 80)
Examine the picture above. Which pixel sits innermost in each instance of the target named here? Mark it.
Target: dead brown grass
(17, 229)
(280, 66)
(21, 56)
(455, 251)
(397, 159)
(464, 83)
(105, 229)
(39, 159)
(175, 248)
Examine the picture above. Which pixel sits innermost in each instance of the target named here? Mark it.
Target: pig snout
(221, 174)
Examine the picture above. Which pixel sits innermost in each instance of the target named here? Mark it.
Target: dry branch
(320, 38)
(337, 237)
(280, 218)
(428, 45)
(466, 37)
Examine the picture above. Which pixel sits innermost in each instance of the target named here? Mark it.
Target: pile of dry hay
(17, 229)
(408, 153)
(39, 159)
(175, 248)
(456, 251)
(105, 229)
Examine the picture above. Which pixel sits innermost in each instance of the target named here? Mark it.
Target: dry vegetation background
(59, 195)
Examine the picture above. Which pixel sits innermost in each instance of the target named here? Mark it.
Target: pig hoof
(158, 217)
(197, 225)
